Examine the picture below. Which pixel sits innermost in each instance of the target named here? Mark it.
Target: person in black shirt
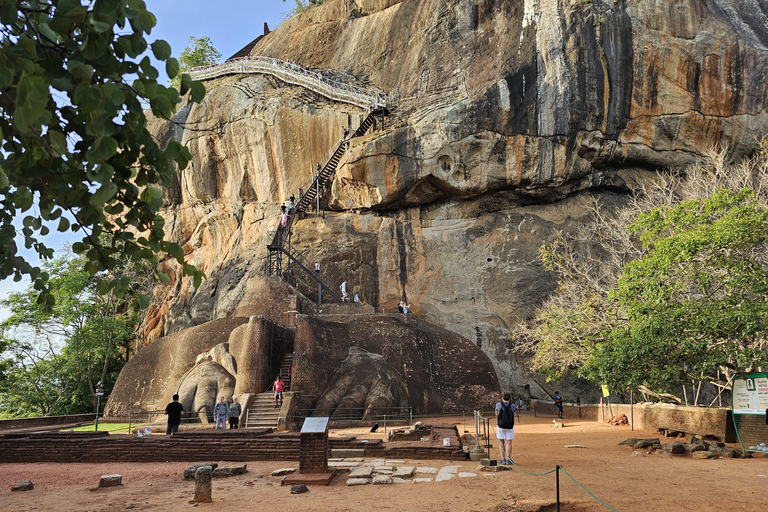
(174, 410)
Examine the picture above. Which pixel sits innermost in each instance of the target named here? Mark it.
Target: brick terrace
(193, 446)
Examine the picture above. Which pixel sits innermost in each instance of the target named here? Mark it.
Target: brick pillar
(313, 454)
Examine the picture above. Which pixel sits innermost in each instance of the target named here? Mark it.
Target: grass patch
(105, 427)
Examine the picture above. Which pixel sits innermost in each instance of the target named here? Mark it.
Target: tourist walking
(505, 428)
(235, 410)
(343, 288)
(221, 413)
(174, 410)
(283, 215)
(278, 387)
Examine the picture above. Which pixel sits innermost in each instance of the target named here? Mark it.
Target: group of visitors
(402, 307)
(222, 412)
(345, 293)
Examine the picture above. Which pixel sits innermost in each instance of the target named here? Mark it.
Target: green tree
(697, 300)
(55, 356)
(76, 153)
(300, 6)
(200, 52)
(667, 290)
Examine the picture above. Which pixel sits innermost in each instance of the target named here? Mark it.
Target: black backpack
(506, 416)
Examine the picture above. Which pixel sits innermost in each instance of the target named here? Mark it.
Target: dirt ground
(652, 482)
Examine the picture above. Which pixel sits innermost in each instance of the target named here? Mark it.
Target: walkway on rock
(295, 74)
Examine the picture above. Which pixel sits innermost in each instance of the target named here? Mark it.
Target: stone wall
(714, 421)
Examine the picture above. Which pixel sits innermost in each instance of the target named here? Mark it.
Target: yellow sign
(605, 390)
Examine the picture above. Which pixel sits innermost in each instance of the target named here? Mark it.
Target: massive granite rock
(511, 116)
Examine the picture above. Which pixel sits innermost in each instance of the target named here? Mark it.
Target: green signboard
(749, 403)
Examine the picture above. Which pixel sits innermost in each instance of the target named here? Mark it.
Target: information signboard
(750, 393)
(315, 425)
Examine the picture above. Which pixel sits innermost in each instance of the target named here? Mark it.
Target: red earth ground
(652, 482)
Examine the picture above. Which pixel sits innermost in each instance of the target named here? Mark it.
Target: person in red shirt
(278, 387)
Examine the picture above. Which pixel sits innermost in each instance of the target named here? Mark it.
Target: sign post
(749, 404)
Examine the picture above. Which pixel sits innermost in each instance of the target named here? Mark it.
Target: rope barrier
(561, 468)
(586, 491)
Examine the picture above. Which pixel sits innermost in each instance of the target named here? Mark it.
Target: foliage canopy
(54, 357)
(669, 290)
(76, 153)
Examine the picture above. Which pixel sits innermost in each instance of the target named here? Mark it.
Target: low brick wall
(46, 421)
(714, 421)
(193, 446)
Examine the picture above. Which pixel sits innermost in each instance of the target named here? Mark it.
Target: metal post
(488, 436)
(557, 484)
(632, 410)
(385, 423)
(130, 420)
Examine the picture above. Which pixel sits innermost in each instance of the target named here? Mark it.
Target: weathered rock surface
(510, 115)
(110, 480)
(26, 485)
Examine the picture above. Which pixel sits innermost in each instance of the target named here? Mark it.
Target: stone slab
(346, 453)
(310, 478)
(426, 470)
(404, 472)
(354, 459)
(466, 474)
(343, 464)
(397, 480)
(447, 473)
(421, 480)
(384, 468)
(382, 480)
(394, 462)
(284, 471)
(111, 480)
(363, 472)
(357, 481)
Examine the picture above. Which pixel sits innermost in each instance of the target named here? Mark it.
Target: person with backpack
(559, 405)
(505, 428)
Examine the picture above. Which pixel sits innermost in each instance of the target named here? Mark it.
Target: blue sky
(229, 28)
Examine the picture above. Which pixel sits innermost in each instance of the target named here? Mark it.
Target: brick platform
(194, 446)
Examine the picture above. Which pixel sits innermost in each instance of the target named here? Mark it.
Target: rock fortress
(431, 148)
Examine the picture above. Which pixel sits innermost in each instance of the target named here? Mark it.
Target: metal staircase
(329, 169)
(281, 241)
(262, 412)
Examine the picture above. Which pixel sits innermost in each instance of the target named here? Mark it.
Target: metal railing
(289, 72)
(358, 414)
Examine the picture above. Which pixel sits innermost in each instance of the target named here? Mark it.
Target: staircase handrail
(308, 264)
(311, 274)
(295, 74)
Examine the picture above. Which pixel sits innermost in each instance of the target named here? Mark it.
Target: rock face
(511, 115)
(345, 357)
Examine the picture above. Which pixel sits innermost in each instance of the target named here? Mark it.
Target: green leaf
(198, 91)
(103, 195)
(144, 300)
(63, 224)
(103, 149)
(161, 49)
(172, 67)
(31, 104)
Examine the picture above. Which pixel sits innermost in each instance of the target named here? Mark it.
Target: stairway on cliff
(281, 241)
(262, 412)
